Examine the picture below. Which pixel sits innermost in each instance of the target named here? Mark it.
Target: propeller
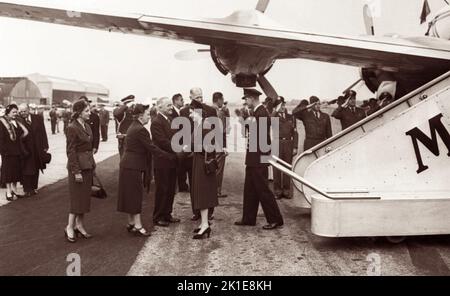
(192, 54)
(267, 88)
(262, 5)
(368, 20)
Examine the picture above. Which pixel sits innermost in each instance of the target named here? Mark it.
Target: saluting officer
(124, 115)
(288, 143)
(317, 123)
(348, 113)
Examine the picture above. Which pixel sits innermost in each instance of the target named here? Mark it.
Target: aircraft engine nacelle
(244, 63)
(440, 26)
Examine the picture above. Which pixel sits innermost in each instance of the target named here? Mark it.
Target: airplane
(247, 43)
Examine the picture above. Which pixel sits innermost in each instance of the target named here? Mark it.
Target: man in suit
(347, 112)
(104, 122)
(256, 188)
(165, 169)
(317, 123)
(177, 106)
(223, 114)
(53, 119)
(123, 115)
(36, 144)
(288, 141)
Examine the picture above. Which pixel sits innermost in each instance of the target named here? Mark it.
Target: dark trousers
(184, 174)
(30, 182)
(165, 182)
(53, 124)
(256, 190)
(104, 132)
(121, 146)
(220, 170)
(282, 182)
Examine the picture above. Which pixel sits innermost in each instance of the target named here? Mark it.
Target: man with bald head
(165, 169)
(36, 145)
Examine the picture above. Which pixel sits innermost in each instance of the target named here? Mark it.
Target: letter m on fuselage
(436, 128)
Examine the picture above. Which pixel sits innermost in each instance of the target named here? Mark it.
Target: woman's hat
(140, 109)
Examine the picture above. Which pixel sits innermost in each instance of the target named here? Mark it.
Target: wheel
(395, 239)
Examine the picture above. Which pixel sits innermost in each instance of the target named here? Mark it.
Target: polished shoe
(287, 197)
(130, 227)
(241, 223)
(174, 220)
(272, 226)
(162, 223)
(84, 235)
(205, 234)
(68, 238)
(35, 192)
(195, 218)
(222, 195)
(29, 194)
(278, 196)
(141, 232)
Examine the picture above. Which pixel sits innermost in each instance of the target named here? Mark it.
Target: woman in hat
(80, 166)
(204, 185)
(135, 169)
(11, 149)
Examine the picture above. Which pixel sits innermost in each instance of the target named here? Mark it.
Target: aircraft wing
(385, 53)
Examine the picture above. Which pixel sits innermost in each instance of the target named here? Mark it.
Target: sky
(146, 67)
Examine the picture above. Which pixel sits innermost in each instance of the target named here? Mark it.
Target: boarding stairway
(304, 160)
(367, 181)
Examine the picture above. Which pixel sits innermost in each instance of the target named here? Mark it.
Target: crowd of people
(147, 152)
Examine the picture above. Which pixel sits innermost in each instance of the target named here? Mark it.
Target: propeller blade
(368, 20)
(192, 54)
(267, 87)
(262, 5)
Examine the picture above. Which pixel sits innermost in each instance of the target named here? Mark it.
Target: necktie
(317, 115)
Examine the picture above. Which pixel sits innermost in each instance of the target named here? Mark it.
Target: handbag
(210, 165)
(97, 190)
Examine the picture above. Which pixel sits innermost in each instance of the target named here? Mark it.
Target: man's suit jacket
(94, 124)
(139, 149)
(36, 143)
(348, 117)
(253, 158)
(162, 137)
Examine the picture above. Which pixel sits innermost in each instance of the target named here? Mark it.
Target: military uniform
(124, 116)
(349, 115)
(256, 187)
(288, 141)
(317, 126)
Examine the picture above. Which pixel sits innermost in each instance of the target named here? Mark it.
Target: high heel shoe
(130, 227)
(141, 232)
(17, 195)
(205, 234)
(9, 198)
(84, 235)
(196, 230)
(68, 238)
